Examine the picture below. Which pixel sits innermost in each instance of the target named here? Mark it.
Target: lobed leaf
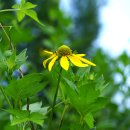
(33, 15)
(88, 97)
(28, 5)
(28, 86)
(20, 15)
(21, 116)
(25, 8)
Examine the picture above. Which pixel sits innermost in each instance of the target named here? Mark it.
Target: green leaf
(70, 84)
(16, 6)
(25, 8)
(11, 61)
(23, 2)
(16, 121)
(19, 113)
(77, 126)
(20, 15)
(82, 72)
(86, 96)
(36, 118)
(99, 103)
(89, 120)
(29, 5)
(88, 99)
(3, 64)
(21, 58)
(28, 86)
(23, 5)
(100, 83)
(37, 107)
(33, 15)
(8, 53)
(21, 116)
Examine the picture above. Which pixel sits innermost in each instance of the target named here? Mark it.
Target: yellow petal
(52, 63)
(64, 62)
(81, 55)
(75, 60)
(47, 52)
(87, 61)
(45, 61)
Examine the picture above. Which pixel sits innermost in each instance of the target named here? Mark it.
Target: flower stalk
(54, 100)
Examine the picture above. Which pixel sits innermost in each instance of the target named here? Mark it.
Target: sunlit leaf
(89, 120)
(25, 8)
(28, 5)
(20, 15)
(33, 15)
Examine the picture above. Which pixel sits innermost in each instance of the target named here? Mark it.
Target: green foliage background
(79, 32)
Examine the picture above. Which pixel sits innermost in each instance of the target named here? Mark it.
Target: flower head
(65, 55)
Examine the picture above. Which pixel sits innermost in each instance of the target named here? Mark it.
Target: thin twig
(21, 72)
(11, 44)
(6, 98)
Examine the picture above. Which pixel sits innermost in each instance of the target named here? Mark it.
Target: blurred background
(99, 28)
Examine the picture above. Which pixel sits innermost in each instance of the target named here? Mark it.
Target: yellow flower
(64, 53)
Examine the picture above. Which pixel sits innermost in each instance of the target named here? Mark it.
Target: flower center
(64, 50)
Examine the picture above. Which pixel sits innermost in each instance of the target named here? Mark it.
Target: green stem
(55, 106)
(6, 98)
(7, 26)
(54, 100)
(31, 123)
(62, 117)
(28, 103)
(8, 10)
(81, 120)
